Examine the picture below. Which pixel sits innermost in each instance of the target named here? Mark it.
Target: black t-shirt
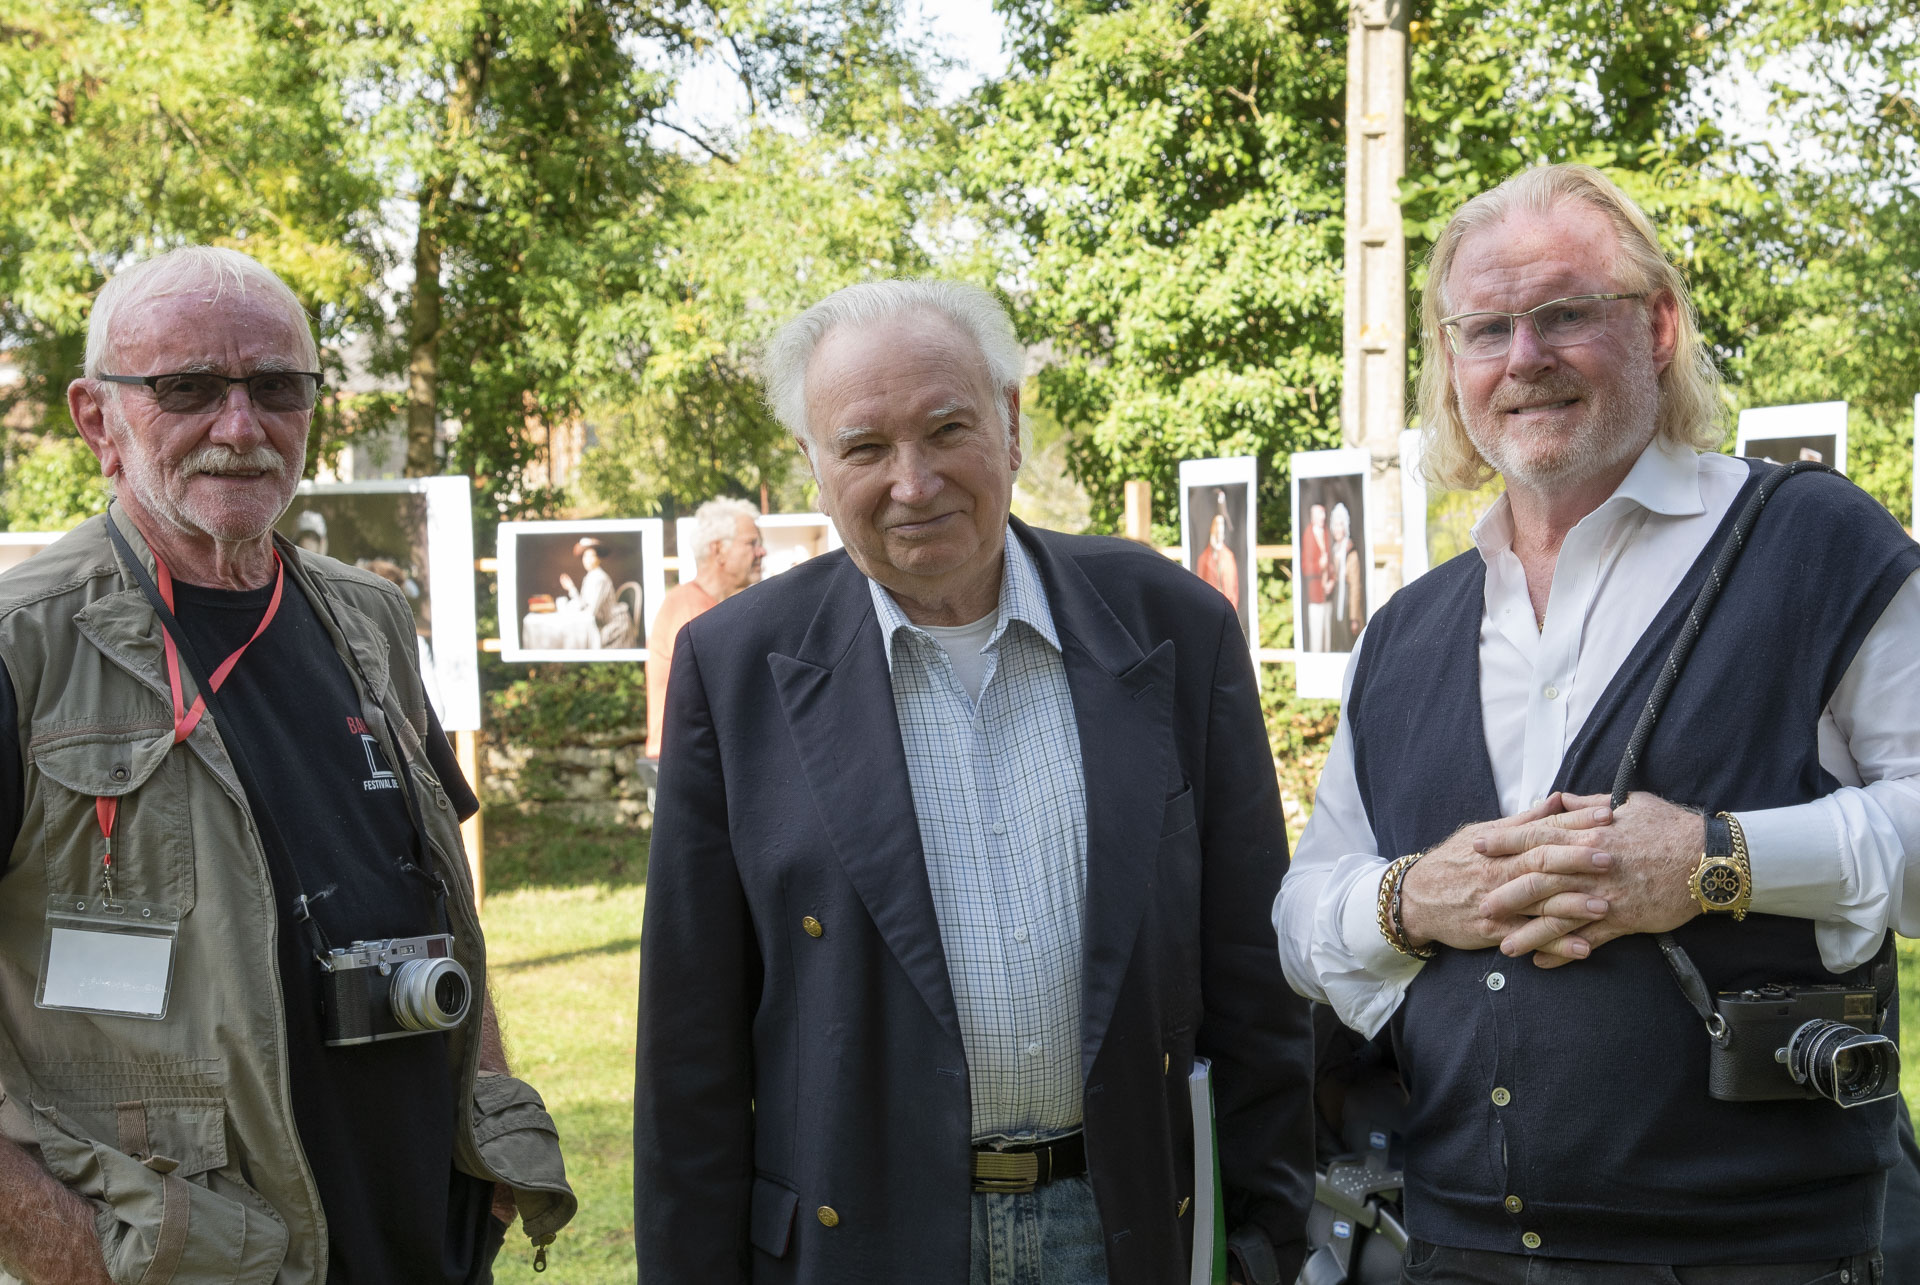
(376, 1120)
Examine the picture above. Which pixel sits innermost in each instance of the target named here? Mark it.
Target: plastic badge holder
(113, 957)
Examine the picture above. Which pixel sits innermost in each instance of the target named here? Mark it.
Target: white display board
(1415, 561)
(1219, 520)
(1814, 431)
(580, 591)
(17, 546)
(1332, 565)
(418, 532)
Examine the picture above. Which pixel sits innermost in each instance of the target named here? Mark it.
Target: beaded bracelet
(1391, 926)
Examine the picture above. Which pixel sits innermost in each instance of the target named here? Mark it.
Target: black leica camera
(1802, 1042)
(399, 986)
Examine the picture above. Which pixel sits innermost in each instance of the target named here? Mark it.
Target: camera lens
(1844, 1063)
(430, 994)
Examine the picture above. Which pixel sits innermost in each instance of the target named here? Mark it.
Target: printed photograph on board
(1332, 560)
(418, 534)
(1814, 431)
(578, 590)
(1217, 531)
(792, 538)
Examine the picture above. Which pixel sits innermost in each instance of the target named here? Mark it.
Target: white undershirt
(1841, 861)
(963, 644)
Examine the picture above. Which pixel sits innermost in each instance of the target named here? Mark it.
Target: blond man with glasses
(1464, 885)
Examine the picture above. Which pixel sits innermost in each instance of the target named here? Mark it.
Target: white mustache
(219, 460)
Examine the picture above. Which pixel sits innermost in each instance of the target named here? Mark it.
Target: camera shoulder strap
(1685, 973)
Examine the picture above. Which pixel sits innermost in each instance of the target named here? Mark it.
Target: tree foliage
(1165, 185)
(1166, 181)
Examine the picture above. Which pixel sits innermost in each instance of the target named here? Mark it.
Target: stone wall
(591, 784)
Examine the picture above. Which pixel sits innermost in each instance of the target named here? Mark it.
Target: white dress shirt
(1841, 861)
(1000, 795)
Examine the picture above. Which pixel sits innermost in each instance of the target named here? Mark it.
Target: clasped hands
(1559, 880)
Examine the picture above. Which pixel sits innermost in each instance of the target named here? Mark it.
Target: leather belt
(1018, 1169)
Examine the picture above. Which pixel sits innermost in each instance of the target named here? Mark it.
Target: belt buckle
(1006, 1173)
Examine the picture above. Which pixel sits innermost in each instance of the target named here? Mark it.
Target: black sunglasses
(199, 391)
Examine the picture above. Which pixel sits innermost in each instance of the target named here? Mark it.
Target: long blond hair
(1691, 411)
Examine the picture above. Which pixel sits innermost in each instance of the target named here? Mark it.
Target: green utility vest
(181, 1131)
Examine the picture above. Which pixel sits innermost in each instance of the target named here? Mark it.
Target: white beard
(1616, 427)
(164, 493)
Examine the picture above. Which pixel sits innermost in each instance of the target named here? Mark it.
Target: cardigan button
(1531, 1240)
(1496, 981)
(1501, 1097)
(1515, 1204)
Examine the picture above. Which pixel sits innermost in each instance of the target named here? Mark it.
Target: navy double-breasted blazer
(802, 1109)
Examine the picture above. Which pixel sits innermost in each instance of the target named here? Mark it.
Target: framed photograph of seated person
(17, 546)
(580, 591)
(1814, 431)
(418, 533)
(1333, 554)
(1218, 523)
(791, 538)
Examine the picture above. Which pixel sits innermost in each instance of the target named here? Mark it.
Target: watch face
(1719, 884)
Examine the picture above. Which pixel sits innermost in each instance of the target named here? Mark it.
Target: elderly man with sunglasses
(220, 781)
(1558, 974)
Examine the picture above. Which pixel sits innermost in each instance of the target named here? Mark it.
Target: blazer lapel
(838, 698)
(1123, 709)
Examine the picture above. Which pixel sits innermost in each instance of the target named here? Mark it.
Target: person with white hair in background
(960, 860)
(727, 553)
(219, 782)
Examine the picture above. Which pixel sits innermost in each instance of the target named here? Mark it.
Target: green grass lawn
(562, 919)
(563, 937)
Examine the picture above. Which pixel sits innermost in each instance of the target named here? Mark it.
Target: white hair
(975, 311)
(190, 268)
(717, 520)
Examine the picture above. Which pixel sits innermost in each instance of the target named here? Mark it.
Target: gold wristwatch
(1722, 884)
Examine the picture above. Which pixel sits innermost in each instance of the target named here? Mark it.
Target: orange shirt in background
(682, 603)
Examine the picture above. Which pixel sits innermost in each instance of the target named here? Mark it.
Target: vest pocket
(153, 850)
(520, 1146)
(169, 1211)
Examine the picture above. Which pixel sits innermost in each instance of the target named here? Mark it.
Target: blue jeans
(1050, 1236)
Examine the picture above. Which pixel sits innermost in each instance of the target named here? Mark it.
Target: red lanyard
(184, 719)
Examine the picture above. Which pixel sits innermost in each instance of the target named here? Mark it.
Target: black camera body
(392, 988)
(1784, 1042)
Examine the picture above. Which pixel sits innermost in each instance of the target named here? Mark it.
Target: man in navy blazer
(964, 845)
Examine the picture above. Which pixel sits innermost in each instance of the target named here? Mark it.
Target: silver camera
(388, 989)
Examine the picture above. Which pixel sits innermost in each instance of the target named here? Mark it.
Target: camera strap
(1692, 985)
(263, 816)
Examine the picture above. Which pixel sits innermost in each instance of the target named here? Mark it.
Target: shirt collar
(1665, 480)
(1023, 597)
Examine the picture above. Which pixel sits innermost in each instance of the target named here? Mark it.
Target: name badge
(107, 957)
